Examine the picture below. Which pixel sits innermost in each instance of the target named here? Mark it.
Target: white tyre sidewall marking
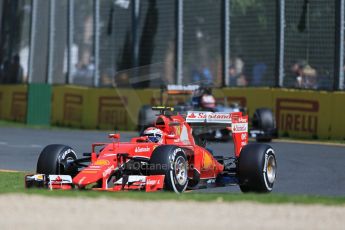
(173, 156)
(264, 171)
(64, 154)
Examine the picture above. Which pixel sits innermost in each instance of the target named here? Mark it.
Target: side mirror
(172, 136)
(114, 136)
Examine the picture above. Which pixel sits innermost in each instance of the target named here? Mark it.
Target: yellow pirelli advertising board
(68, 106)
(299, 113)
(13, 102)
(337, 117)
(117, 109)
(114, 109)
(250, 98)
(303, 113)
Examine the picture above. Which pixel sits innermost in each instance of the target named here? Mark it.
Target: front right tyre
(171, 161)
(257, 168)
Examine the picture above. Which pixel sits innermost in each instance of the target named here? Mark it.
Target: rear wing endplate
(234, 122)
(218, 119)
(181, 89)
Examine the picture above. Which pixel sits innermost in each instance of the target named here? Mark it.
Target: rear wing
(181, 89)
(235, 122)
(201, 118)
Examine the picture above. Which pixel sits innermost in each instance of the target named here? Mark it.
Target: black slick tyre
(171, 161)
(263, 120)
(57, 159)
(257, 168)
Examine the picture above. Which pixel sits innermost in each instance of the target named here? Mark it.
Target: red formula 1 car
(165, 157)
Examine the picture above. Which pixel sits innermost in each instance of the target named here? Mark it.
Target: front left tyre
(57, 159)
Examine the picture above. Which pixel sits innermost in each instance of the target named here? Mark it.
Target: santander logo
(219, 116)
(142, 149)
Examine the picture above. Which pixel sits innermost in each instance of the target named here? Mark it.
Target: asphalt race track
(313, 169)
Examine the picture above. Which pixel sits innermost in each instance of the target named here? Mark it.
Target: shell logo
(178, 130)
(207, 161)
(102, 162)
(90, 172)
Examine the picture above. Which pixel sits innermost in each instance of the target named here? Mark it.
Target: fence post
(51, 41)
(339, 47)
(280, 44)
(96, 41)
(135, 33)
(226, 43)
(32, 39)
(179, 47)
(70, 41)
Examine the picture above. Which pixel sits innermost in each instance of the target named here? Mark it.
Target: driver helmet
(153, 134)
(208, 101)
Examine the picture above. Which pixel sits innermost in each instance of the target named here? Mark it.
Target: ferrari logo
(102, 162)
(178, 130)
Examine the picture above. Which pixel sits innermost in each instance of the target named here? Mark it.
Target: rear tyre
(171, 161)
(257, 168)
(57, 159)
(263, 120)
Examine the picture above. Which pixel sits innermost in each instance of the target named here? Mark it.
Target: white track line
(10, 171)
(309, 142)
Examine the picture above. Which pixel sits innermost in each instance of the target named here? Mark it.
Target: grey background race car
(263, 125)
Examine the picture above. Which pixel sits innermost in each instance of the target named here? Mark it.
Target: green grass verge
(13, 182)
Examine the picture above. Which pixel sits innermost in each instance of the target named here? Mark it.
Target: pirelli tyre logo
(73, 108)
(112, 112)
(297, 115)
(18, 106)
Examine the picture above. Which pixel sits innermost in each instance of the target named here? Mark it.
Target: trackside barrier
(68, 106)
(310, 114)
(303, 113)
(13, 102)
(98, 108)
(39, 104)
(337, 116)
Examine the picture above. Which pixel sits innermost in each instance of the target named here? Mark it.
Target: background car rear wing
(181, 89)
(209, 119)
(235, 122)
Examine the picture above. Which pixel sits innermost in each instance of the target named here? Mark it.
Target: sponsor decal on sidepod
(142, 149)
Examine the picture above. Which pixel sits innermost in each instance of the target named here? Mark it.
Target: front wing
(64, 182)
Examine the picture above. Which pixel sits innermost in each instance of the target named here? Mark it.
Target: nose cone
(92, 174)
(85, 178)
